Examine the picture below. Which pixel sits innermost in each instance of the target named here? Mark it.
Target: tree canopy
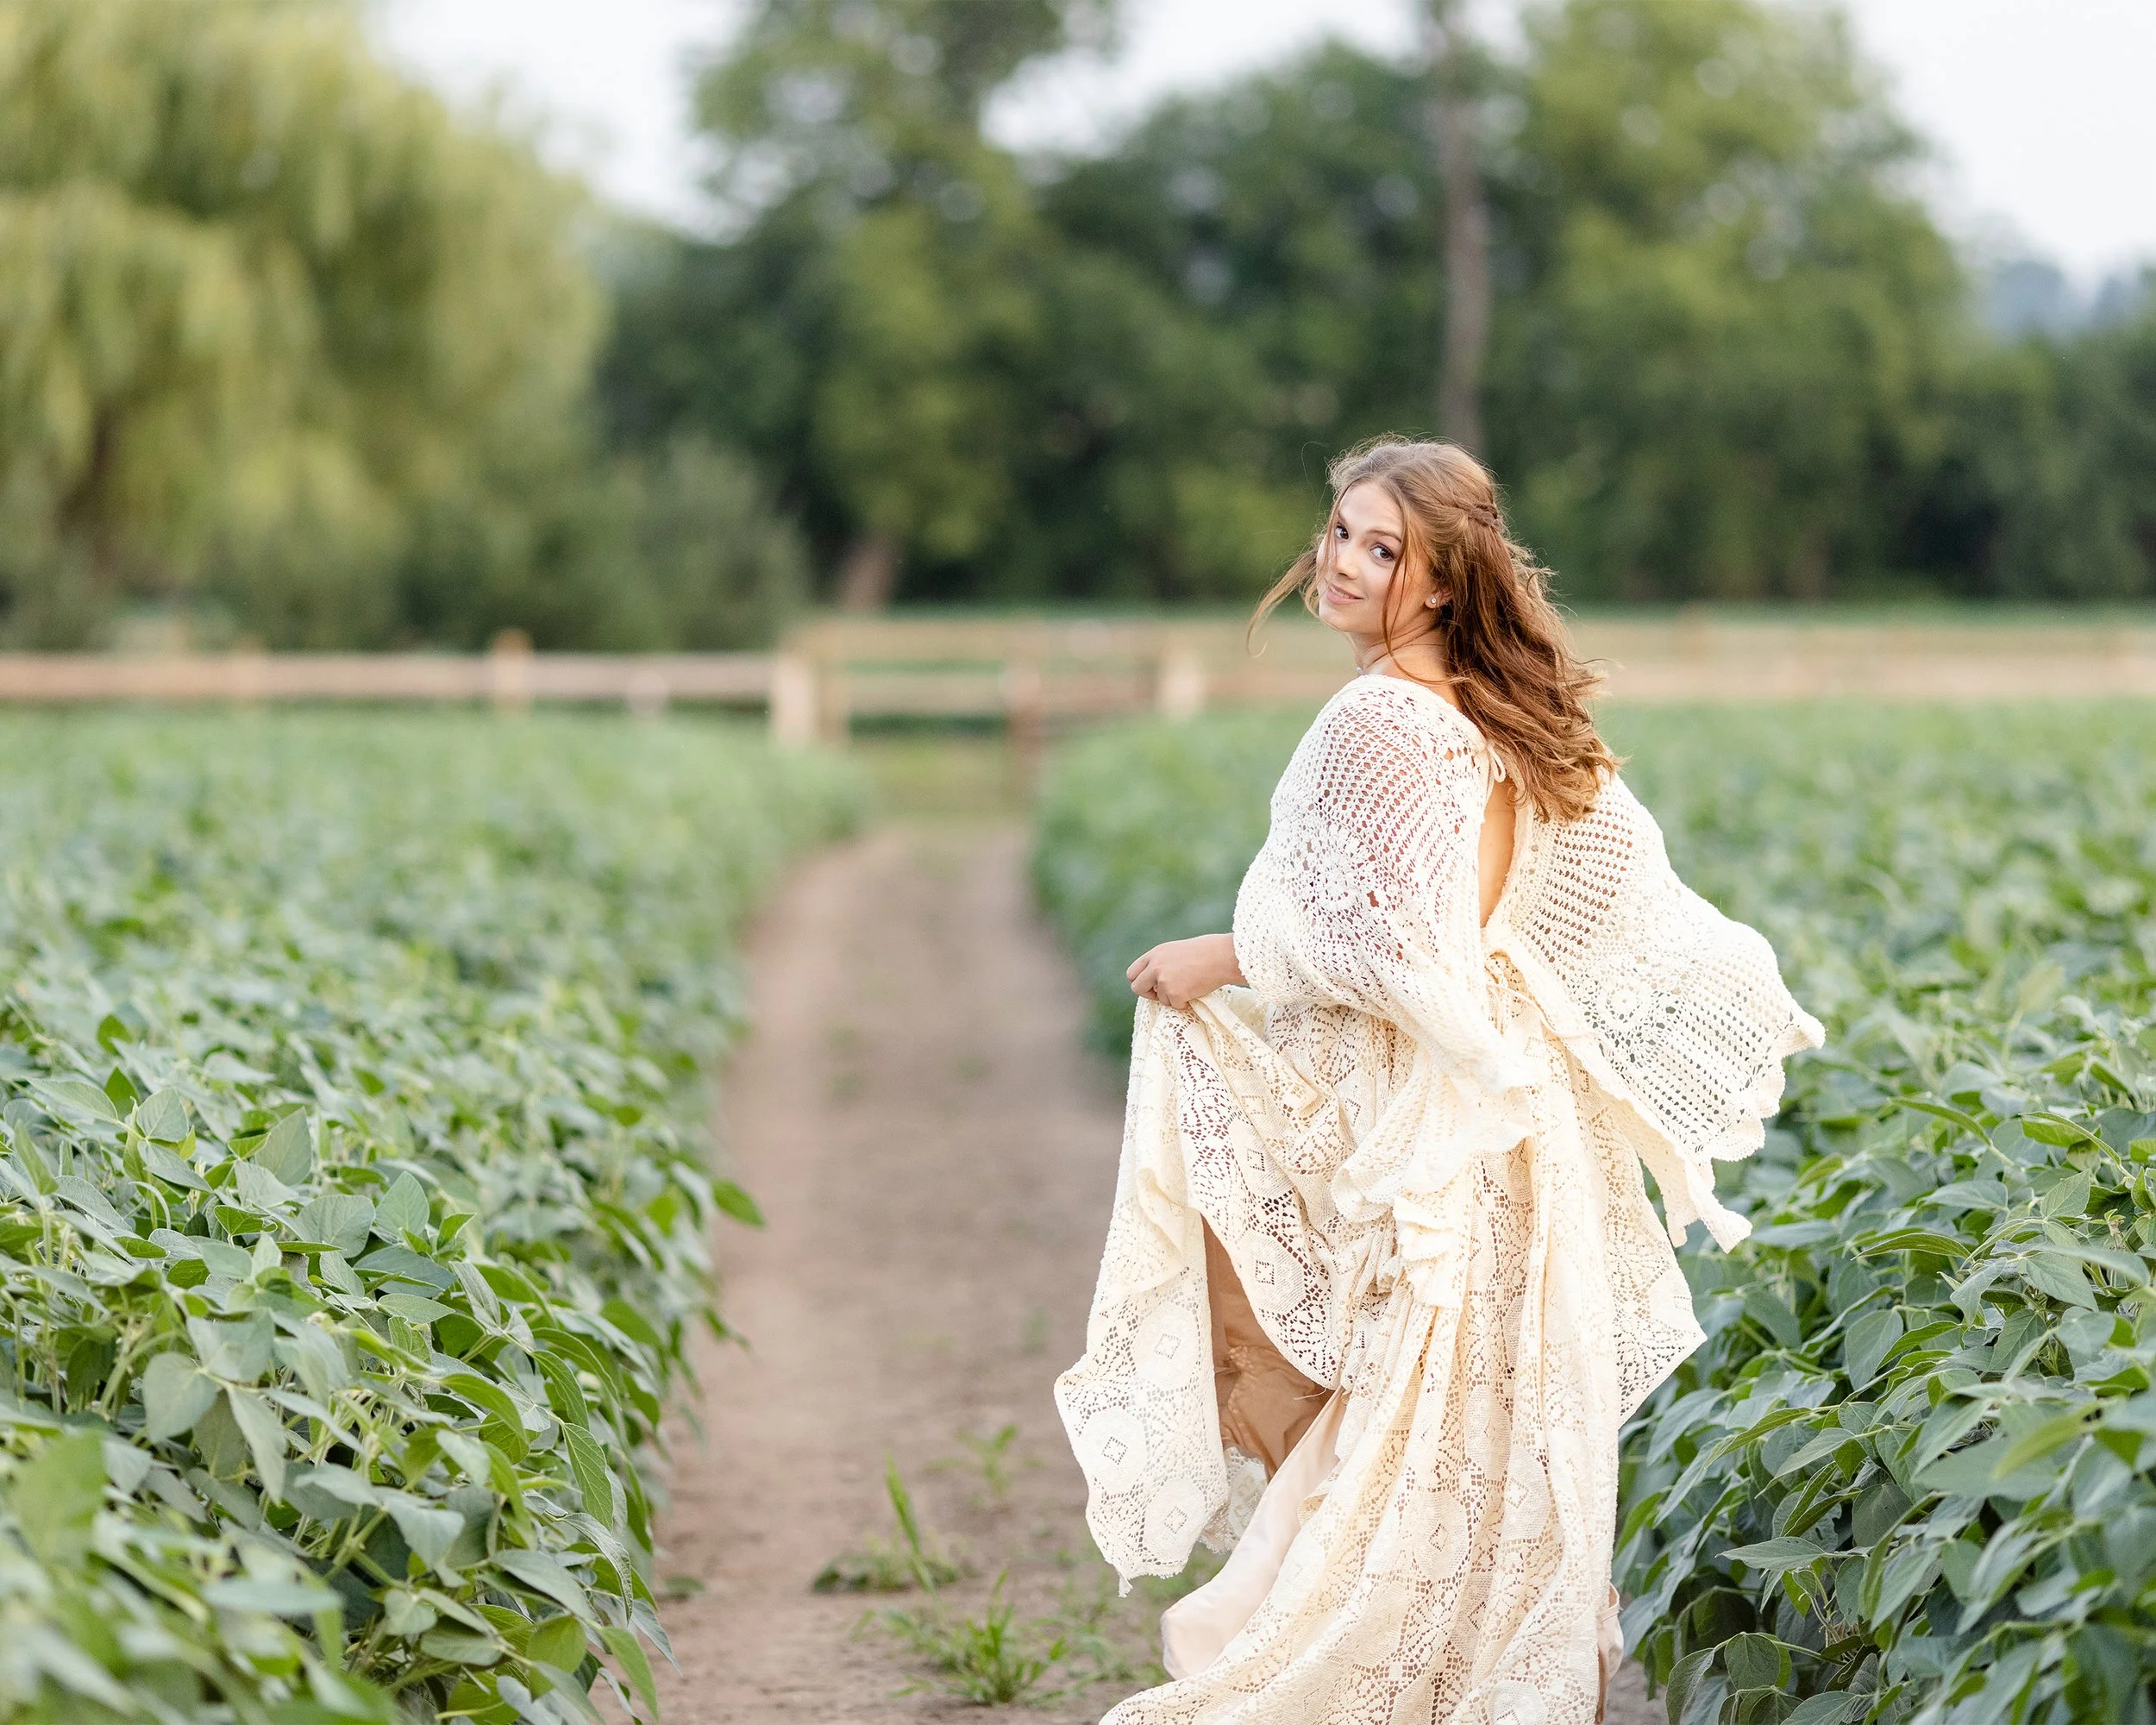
(287, 339)
(263, 300)
(290, 346)
(1732, 357)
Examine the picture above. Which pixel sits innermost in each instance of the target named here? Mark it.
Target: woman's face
(1359, 578)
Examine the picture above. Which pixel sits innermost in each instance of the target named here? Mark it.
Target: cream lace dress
(1415, 1141)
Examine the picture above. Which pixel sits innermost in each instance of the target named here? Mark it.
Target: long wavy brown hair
(1507, 661)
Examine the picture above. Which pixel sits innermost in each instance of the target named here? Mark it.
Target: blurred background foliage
(289, 350)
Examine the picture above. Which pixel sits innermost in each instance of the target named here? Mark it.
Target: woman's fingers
(1159, 976)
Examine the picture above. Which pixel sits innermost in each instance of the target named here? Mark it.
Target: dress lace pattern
(1420, 1139)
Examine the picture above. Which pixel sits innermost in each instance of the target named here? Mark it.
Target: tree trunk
(1467, 295)
(870, 574)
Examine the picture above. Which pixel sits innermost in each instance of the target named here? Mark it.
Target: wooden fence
(1038, 675)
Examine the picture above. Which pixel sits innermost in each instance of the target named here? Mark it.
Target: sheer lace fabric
(1418, 1141)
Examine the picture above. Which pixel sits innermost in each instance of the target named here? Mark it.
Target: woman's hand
(1177, 972)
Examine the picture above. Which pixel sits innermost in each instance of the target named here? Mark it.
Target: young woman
(1383, 1279)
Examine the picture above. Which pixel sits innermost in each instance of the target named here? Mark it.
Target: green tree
(264, 304)
(1288, 229)
(1283, 235)
(2046, 485)
(851, 132)
(1726, 374)
(1730, 355)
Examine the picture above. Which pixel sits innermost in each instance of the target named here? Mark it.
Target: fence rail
(1036, 674)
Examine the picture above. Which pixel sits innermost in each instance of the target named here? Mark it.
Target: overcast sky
(2041, 109)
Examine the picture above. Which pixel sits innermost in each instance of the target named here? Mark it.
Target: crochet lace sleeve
(1365, 894)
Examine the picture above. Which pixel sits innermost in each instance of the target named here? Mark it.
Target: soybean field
(354, 1207)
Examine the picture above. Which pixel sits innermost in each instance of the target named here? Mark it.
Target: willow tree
(262, 300)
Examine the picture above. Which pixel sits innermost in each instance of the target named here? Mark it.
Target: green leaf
(76, 1097)
(176, 1393)
(1836, 1707)
(287, 1150)
(461, 1648)
(1774, 1556)
(2069, 1197)
(172, 1170)
(559, 1642)
(401, 1210)
(564, 1394)
(313, 1353)
(737, 1203)
(1975, 1472)
(1927, 1240)
(1772, 1312)
(1866, 1343)
(1905, 1573)
(631, 1323)
(2060, 1277)
(548, 1575)
(629, 1653)
(162, 1115)
(587, 1463)
(428, 1529)
(220, 1442)
(1755, 1662)
(57, 1493)
(407, 1265)
(1943, 1111)
(265, 1436)
(338, 1219)
(1684, 1681)
(404, 1613)
(504, 1422)
(275, 1598)
(327, 1492)
(1878, 1511)
(2035, 1445)
(239, 1353)
(413, 1309)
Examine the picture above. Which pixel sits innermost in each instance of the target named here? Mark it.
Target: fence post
(509, 672)
(794, 718)
(646, 693)
(1025, 715)
(1181, 692)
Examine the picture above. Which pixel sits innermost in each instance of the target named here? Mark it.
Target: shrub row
(353, 1201)
(1909, 1476)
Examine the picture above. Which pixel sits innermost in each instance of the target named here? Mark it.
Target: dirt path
(935, 1155)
